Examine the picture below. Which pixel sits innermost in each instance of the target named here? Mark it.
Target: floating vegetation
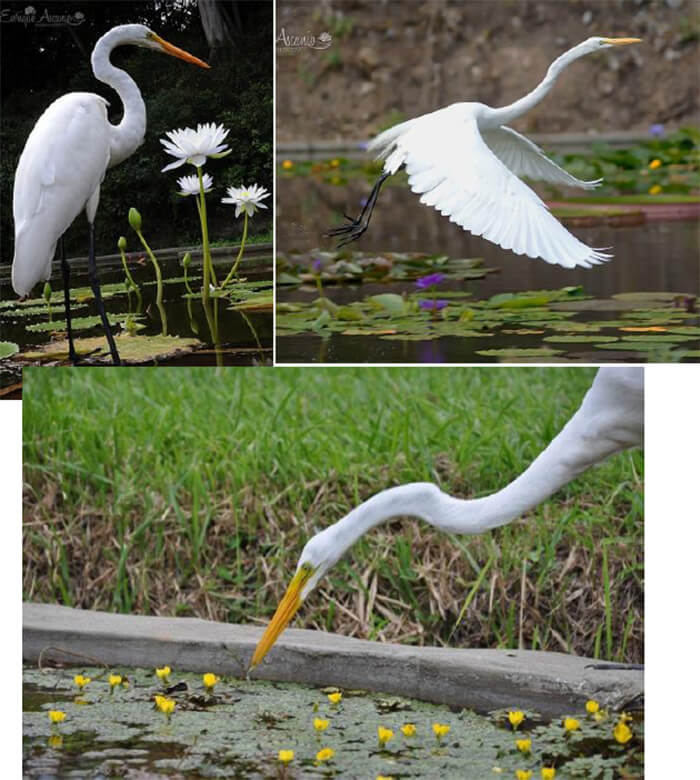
(8, 348)
(143, 349)
(254, 726)
(540, 323)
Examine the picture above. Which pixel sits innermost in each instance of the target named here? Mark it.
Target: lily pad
(78, 323)
(578, 339)
(8, 348)
(520, 353)
(136, 349)
(393, 303)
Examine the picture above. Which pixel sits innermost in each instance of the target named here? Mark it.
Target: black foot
(348, 233)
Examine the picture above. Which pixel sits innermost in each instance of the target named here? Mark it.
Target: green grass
(192, 492)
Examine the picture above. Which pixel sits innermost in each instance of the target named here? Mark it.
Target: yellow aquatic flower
(516, 717)
(163, 673)
(408, 730)
(165, 705)
(523, 774)
(654, 164)
(210, 680)
(335, 163)
(441, 730)
(622, 733)
(56, 741)
(114, 680)
(384, 735)
(285, 756)
(287, 165)
(320, 724)
(56, 716)
(655, 190)
(325, 755)
(334, 698)
(383, 777)
(600, 716)
(548, 773)
(571, 724)
(81, 681)
(592, 706)
(523, 745)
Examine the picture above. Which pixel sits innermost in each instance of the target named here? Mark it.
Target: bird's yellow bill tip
(291, 601)
(168, 48)
(622, 41)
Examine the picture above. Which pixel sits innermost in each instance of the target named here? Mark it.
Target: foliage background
(40, 64)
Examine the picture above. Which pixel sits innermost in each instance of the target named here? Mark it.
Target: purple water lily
(436, 305)
(431, 280)
(656, 131)
(317, 265)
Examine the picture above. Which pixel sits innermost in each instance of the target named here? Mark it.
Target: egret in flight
(65, 160)
(609, 420)
(465, 162)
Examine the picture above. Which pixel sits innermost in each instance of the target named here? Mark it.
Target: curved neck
(128, 135)
(609, 420)
(494, 117)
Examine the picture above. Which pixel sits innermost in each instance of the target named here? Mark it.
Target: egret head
(140, 35)
(319, 554)
(593, 44)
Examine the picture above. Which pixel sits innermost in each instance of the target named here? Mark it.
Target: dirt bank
(393, 59)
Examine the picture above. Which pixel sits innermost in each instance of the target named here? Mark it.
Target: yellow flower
(599, 716)
(165, 705)
(287, 164)
(114, 679)
(571, 724)
(441, 730)
(320, 724)
(335, 163)
(523, 745)
(523, 774)
(383, 777)
(56, 741)
(285, 756)
(210, 680)
(654, 164)
(334, 698)
(325, 755)
(56, 716)
(548, 773)
(622, 733)
(384, 735)
(655, 190)
(408, 730)
(516, 717)
(81, 681)
(164, 673)
(592, 706)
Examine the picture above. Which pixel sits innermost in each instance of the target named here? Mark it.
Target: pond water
(238, 730)
(243, 319)
(649, 257)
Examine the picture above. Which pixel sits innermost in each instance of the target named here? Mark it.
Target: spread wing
(453, 169)
(524, 158)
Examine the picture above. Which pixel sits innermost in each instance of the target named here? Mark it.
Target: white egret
(465, 162)
(609, 420)
(64, 162)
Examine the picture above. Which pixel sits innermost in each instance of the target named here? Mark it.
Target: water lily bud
(121, 243)
(186, 260)
(134, 219)
(47, 292)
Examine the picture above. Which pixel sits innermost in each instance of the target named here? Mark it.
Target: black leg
(357, 227)
(94, 283)
(65, 271)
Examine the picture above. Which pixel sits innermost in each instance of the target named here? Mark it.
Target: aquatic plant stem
(240, 251)
(130, 280)
(206, 253)
(159, 283)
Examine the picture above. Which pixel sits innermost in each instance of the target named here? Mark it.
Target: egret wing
(452, 168)
(59, 170)
(524, 158)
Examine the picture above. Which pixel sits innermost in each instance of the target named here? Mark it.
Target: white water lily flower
(246, 199)
(194, 146)
(189, 185)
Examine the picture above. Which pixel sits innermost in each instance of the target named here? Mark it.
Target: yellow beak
(168, 48)
(622, 41)
(286, 610)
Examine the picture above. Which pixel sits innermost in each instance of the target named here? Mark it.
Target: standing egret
(64, 162)
(609, 420)
(465, 163)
